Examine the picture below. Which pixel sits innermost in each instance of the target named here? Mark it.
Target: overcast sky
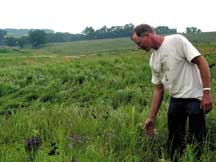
(74, 15)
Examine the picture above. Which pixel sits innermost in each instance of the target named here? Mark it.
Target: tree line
(37, 37)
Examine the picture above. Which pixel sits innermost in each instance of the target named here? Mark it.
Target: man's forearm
(156, 101)
(207, 100)
(204, 71)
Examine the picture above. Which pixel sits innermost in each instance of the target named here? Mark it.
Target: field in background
(204, 41)
(86, 101)
(202, 38)
(103, 46)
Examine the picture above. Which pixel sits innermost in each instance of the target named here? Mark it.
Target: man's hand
(207, 101)
(149, 126)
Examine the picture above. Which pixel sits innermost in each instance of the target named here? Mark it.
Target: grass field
(103, 46)
(86, 102)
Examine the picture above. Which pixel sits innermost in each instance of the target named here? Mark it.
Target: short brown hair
(141, 29)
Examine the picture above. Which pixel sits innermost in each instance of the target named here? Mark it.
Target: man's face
(143, 42)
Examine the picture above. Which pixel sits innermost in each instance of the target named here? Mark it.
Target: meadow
(86, 101)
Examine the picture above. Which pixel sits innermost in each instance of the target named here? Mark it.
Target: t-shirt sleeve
(189, 51)
(155, 78)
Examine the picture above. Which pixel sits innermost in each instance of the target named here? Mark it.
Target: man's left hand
(207, 102)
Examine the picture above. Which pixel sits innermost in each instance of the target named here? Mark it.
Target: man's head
(142, 36)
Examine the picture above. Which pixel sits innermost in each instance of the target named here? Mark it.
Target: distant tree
(127, 29)
(104, 29)
(101, 33)
(23, 32)
(105, 32)
(63, 37)
(37, 37)
(89, 32)
(11, 41)
(199, 30)
(165, 30)
(2, 35)
(22, 41)
(193, 30)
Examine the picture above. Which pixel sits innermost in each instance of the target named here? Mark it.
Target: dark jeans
(178, 112)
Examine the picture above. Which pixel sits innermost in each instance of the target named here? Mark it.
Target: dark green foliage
(193, 30)
(37, 37)
(11, 41)
(23, 41)
(2, 35)
(164, 30)
(18, 33)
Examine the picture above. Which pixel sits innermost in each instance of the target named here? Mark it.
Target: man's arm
(207, 100)
(156, 102)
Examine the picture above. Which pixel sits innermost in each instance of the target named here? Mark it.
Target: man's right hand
(149, 126)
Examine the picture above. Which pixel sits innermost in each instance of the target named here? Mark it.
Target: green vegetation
(164, 30)
(17, 33)
(121, 45)
(25, 38)
(193, 30)
(208, 38)
(84, 101)
(103, 46)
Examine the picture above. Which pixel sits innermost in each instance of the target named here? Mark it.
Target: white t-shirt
(171, 65)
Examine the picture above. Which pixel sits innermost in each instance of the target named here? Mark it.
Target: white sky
(74, 15)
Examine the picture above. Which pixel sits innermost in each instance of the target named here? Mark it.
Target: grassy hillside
(102, 46)
(204, 41)
(86, 109)
(202, 38)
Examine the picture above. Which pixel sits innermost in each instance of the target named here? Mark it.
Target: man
(178, 67)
